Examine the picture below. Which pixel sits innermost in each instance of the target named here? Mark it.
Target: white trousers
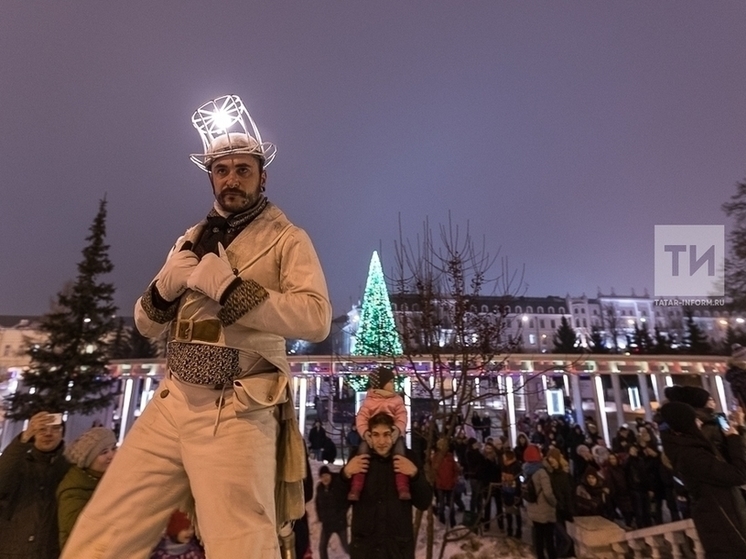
(170, 453)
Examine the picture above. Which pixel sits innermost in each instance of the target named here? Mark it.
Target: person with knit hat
(381, 398)
(331, 510)
(543, 512)
(90, 455)
(591, 494)
(718, 508)
(179, 541)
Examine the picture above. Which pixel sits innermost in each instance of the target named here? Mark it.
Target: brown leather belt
(187, 330)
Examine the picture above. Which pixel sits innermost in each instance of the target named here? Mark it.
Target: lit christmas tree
(377, 333)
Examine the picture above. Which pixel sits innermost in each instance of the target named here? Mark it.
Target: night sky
(562, 131)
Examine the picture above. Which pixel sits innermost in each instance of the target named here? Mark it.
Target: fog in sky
(563, 132)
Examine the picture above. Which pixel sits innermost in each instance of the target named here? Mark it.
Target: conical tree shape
(377, 333)
(68, 371)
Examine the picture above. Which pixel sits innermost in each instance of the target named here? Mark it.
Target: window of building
(541, 323)
(531, 323)
(595, 312)
(485, 308)
(585, 324)
(582, 311)
(416, 307)
(529, 309)
(553, 323)
(550, 310)
(576, 310)
(562, 310)
(540, 310)
(532, 339)
(518, 310)
(6, 351)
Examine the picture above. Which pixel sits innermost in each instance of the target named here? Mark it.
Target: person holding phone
(718, 509)
(31, 467)
(704, 405)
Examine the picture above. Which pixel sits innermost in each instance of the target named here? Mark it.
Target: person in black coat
(328, 451)
(316, 439)
(331, 509)
(31, 468)
(718, 509)
(381, 521)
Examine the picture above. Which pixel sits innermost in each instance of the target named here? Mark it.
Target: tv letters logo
(689, 260)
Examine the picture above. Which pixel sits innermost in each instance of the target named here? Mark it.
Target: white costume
(222, 427)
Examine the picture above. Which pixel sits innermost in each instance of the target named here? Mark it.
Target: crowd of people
(557, 471)
(44, 486)
(689, 462)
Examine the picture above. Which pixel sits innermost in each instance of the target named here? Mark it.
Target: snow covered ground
(488, 546)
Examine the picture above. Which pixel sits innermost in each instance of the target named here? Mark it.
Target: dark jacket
(316, 437)
(329, 451)
(475, 464)
(562, 486)
(381, 522)
(616, 480)
(718, 508)
(28, 508)
(332, 504)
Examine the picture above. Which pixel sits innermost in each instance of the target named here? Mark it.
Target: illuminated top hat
(226, 127)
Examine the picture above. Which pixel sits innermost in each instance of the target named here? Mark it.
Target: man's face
(236, 181)
(48, 438)
(382, 437)
(326, 479)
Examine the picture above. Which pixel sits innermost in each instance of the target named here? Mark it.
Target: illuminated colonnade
(609, 388)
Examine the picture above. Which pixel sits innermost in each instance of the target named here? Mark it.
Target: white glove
(172, 279)
(213, 275)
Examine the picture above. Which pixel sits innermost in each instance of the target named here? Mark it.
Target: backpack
(530, 495)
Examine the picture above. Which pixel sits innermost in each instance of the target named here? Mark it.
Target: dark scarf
(223, 230)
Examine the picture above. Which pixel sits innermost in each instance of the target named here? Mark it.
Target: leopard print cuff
(154, 313)
(242, 299)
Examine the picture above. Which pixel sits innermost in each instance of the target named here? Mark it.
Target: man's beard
(234, 200)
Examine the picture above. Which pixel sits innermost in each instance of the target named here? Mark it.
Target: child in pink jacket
(381, 398)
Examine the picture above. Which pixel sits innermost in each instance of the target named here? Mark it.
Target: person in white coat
(221, 429)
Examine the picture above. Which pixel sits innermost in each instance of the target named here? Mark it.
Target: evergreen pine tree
(641, 339)
(140, 347)
(68, 371)
(732, 336)
(119, 347)
(598, 342)
(696, 339)
(735, 263)
(377, 334)
(565, 338)
(661, 344)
